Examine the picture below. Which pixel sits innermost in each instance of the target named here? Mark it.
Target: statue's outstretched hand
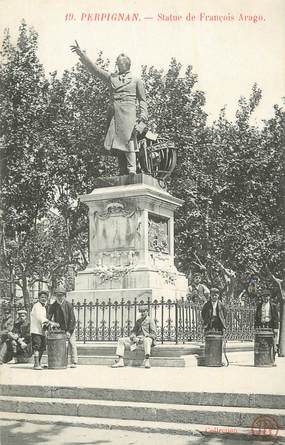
(76, 48)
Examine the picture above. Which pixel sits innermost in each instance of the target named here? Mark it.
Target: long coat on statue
(121, 118)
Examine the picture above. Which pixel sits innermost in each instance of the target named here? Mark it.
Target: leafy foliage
(229, 174)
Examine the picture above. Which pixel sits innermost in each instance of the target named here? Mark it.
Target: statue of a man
(122, 118)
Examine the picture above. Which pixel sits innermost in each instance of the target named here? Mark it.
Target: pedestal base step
(108, 360)
(105, 355)
(109, 348)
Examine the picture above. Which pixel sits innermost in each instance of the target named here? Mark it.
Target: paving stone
(8, 405)
(47, 407)
(199, 416)
(267, 400)
(26, 390)
(117, 411)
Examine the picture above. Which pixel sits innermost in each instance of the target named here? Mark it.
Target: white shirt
(38, 317)
(265, 312)
(214, 304)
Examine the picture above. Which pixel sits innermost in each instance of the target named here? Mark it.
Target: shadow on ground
(11, 434)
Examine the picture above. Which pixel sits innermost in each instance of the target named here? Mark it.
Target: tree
(52, 131)
(274, 140)
(25, 189)
(176, 110)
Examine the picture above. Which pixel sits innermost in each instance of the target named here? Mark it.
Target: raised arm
(94, 69)
(279, 282)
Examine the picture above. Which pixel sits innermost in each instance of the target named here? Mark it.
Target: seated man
(5, 328)
(144, 332)
(213, 312)
(20, 337)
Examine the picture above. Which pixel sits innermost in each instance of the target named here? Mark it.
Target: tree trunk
(282, 329)
(26, 294)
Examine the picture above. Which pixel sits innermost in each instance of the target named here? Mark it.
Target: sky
(231, 44)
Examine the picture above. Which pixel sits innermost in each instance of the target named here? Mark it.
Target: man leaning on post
(62, 312)
(144, 332)
(39, 325)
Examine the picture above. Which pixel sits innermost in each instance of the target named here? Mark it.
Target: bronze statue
(123, 123)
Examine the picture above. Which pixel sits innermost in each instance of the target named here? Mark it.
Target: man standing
(144, 332)
(121, 118)
(39, 324)
(266, 315)
(213, 312)
(62, 312)
(197, 291)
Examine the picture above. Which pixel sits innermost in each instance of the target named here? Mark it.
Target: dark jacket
(64, 315)
(273, 324)
(145, 326)
(207, 313)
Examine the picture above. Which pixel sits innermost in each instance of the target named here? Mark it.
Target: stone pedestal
(131, 242)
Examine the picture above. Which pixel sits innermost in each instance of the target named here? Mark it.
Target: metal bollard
(56, 350)
(264, 355)
(213, 351)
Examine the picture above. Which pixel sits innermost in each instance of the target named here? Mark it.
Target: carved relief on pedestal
(112, 273)
(115, 208)
(114, 227)
(163, 264)
(116, 259)
(158, 239)
(113, 266)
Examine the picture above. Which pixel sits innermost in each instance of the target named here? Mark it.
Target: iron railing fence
(176, 321)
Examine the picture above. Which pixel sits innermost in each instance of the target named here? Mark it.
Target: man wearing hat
(125, 91)
(144, 332)
(62, 313)
(39, 325)
(213, 312)
(266, 315)
(20, 336)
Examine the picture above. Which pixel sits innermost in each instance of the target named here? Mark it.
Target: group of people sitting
(24, 337)
(27, 336)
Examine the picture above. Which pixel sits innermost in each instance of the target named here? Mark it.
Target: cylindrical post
(264, 355)
(56, 350)
(213, 349)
